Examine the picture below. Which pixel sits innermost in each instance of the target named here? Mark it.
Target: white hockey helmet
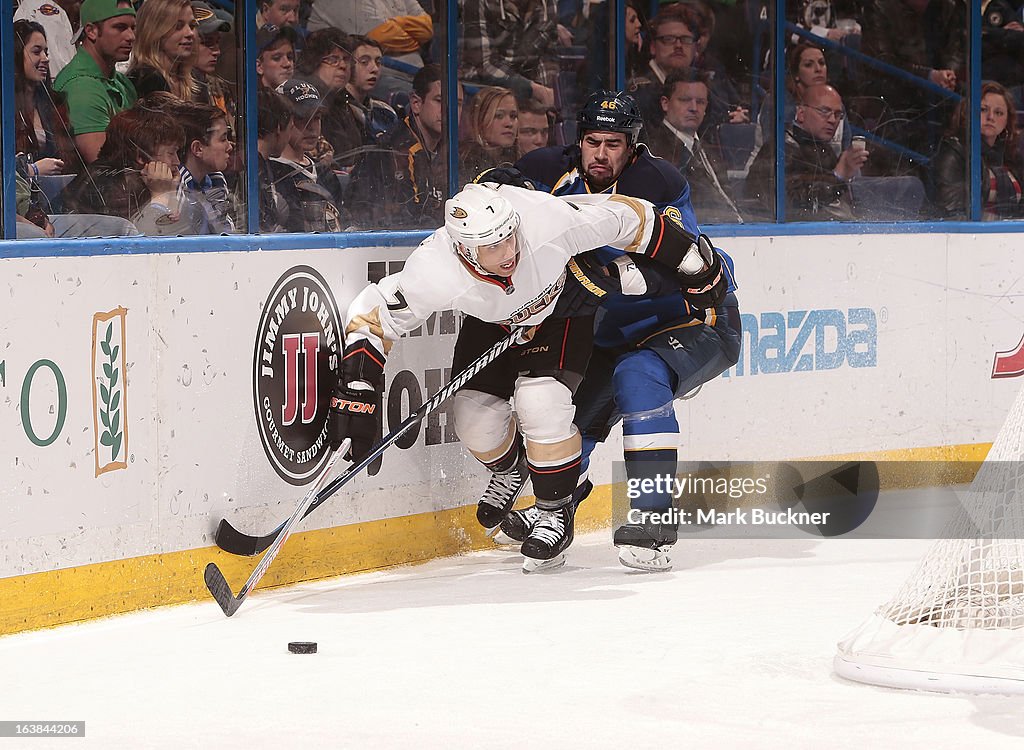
(478, 216)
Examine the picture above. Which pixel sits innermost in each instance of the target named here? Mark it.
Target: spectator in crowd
(310, 193)
(675, 34)
(93, 89)
(805, 66)
(492, 127)
(512, 45)
(275, 55)
(376, 116)
(836, 21)
(41, 136)
(1002, 43)
(52, 16)
(402, 185)
(274, 116)
(1002, 171)
(136, 175)
(165, 49)
(279, 13)
(817, 180)
(591, 27)
(820, 17)
(32, 221)
(706, 60)
(684, 101)
(325, 61)
(210, 88)
(534, 128)
(207, 153)
(926, 38)
(637, 54)
(401, 27)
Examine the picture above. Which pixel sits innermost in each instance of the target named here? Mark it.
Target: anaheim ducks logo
(459, 213)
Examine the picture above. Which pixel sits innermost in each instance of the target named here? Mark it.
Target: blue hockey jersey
(626, 319)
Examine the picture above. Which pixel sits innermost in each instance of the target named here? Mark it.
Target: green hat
(94, 11)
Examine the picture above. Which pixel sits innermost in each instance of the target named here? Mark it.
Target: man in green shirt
(94, 90)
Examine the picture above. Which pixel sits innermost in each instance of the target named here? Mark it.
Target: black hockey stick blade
(220, 589)
(215, 581)
(232, 540)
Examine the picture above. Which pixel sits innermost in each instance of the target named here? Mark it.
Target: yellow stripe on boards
(56, 597)
(40, 600)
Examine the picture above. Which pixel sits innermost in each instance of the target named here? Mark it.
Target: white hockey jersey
(551, 231)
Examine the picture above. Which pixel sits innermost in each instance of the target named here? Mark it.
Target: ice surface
(732, 649)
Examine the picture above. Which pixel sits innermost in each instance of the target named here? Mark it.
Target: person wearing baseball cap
(275, 54)
(211, 20)
(209, 87)
(93, 88)
(312, 195)
(94, 11)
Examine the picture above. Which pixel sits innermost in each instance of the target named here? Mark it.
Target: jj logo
(295, 363)
(310, 346)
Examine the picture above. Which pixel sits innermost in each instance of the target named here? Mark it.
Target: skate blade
(492, 531)
(642, 558)
(530, 565)
(500, 537)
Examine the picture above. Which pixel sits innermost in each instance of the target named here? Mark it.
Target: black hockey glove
(356, 401)
(671, 244)
(355, 414)
(505, 176)
(702, 276)
(586, 284)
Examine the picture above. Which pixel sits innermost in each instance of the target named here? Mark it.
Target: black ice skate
(518, 523)
(645, 546)
(500, 495)
(544, 547)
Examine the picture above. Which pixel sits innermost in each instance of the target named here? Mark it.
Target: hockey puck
(302, 647)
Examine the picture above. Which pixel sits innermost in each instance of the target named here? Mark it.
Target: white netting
(959, 618)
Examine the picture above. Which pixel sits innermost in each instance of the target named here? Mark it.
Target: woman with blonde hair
(165, 49)
(492, 128)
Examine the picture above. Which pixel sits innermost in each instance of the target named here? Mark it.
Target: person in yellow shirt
(401, 27)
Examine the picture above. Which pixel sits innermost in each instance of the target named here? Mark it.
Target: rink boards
(145, 397)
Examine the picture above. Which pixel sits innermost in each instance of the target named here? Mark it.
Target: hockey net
(957, 624)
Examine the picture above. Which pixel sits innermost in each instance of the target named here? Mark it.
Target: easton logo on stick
(295, 363)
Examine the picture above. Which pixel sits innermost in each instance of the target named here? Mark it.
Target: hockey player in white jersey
(505, 257)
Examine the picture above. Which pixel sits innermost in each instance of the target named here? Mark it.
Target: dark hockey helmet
(613, 111)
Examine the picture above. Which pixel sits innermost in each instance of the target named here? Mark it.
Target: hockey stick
(215, 580)
(232, 540)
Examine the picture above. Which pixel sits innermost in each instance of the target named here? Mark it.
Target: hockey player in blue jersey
(648, 351)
